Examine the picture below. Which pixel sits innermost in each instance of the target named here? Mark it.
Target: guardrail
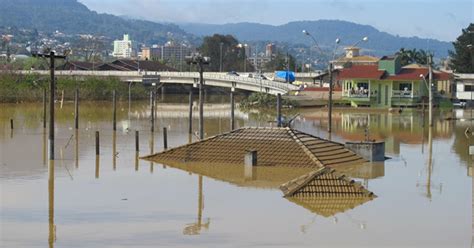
(207, 76)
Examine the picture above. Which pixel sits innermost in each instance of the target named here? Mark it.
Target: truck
(284, 76)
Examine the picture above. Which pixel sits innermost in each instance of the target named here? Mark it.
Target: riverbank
(16, 88)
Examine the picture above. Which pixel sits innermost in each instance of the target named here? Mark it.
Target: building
(135, 65)
(353, 57)
(258, 62)
(464, 86)
(145, 54)
(270, 50)
(123, 48)
(387, 84)
(171, 52)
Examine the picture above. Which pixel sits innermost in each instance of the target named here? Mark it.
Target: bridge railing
(207, 75)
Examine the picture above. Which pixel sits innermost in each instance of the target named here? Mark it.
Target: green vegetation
(16, 88)
(73, 17)
(445, 103)
(263, 100)
(233, 55)
(413, 56)
(280, 62)
(462, 58)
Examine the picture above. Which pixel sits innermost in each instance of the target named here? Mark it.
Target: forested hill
(72, 17)
(325, 31)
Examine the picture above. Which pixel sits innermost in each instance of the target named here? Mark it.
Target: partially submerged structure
(303, 166)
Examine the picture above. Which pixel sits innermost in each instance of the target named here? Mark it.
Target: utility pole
(330, 97)
(52, 87)
(430, 91)
(200, 60)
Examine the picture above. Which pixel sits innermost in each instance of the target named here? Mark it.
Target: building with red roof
(387, 84)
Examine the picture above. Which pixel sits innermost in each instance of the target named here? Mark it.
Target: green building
(388, 84)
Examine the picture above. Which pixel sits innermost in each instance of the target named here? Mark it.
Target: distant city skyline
(436, 19)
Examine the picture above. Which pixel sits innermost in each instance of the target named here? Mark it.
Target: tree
(232, 55)
(280, 63)
(462, 58)
(413, 56)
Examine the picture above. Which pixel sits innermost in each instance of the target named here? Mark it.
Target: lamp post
(198, 59)
(220, 61)
(244, 46)
(330, 69)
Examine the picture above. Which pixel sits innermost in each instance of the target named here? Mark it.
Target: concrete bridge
(215, 79)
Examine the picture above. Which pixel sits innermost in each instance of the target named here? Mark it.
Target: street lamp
(220, 61)
(330, 68)
(244, 46)
(198, 59)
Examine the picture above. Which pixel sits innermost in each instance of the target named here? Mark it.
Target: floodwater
(424, 190)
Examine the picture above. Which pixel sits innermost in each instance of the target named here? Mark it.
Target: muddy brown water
(424, 198)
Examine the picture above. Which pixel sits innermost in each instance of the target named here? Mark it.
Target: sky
(438, 19)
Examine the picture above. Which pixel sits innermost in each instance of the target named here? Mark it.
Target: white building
(464, 86)
(123, 48)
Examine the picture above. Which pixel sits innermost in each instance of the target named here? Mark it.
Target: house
(388, 84)
(353, 57)
(135, 65)
(464, 86)
(78, 66)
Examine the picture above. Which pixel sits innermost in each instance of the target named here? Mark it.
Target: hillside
(325, 31)
(72, 17)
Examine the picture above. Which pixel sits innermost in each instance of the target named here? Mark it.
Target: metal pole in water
(278, 110)
(44, 108)
(232, 106)
(52, 89)
(330, 99)
(152, 93)
(137, 141)
(165, 138)
(97, 143)
(190, 111)
(430, 92)
(76, 109)
(114, 100)
(201, 102)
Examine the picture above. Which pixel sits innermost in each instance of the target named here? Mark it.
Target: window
(469, 88)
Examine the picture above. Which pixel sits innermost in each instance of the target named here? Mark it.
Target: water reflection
(195, 228)
(114, 150)
(52, 226)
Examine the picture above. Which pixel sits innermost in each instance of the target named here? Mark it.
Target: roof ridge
(305, 148)
(307, 178)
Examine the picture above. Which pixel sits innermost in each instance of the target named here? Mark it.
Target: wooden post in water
(44, 108)
(114, 100)
(97, 143)
(137, 141)
(76, 109)
(278, 110)
(52, 88)
(165, 138)
(190, 111)
(11, 124)
(152, 95)
(232, 106)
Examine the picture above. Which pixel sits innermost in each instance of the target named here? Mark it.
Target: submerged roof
(325, 182)
(283, 147)
(329, 206)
